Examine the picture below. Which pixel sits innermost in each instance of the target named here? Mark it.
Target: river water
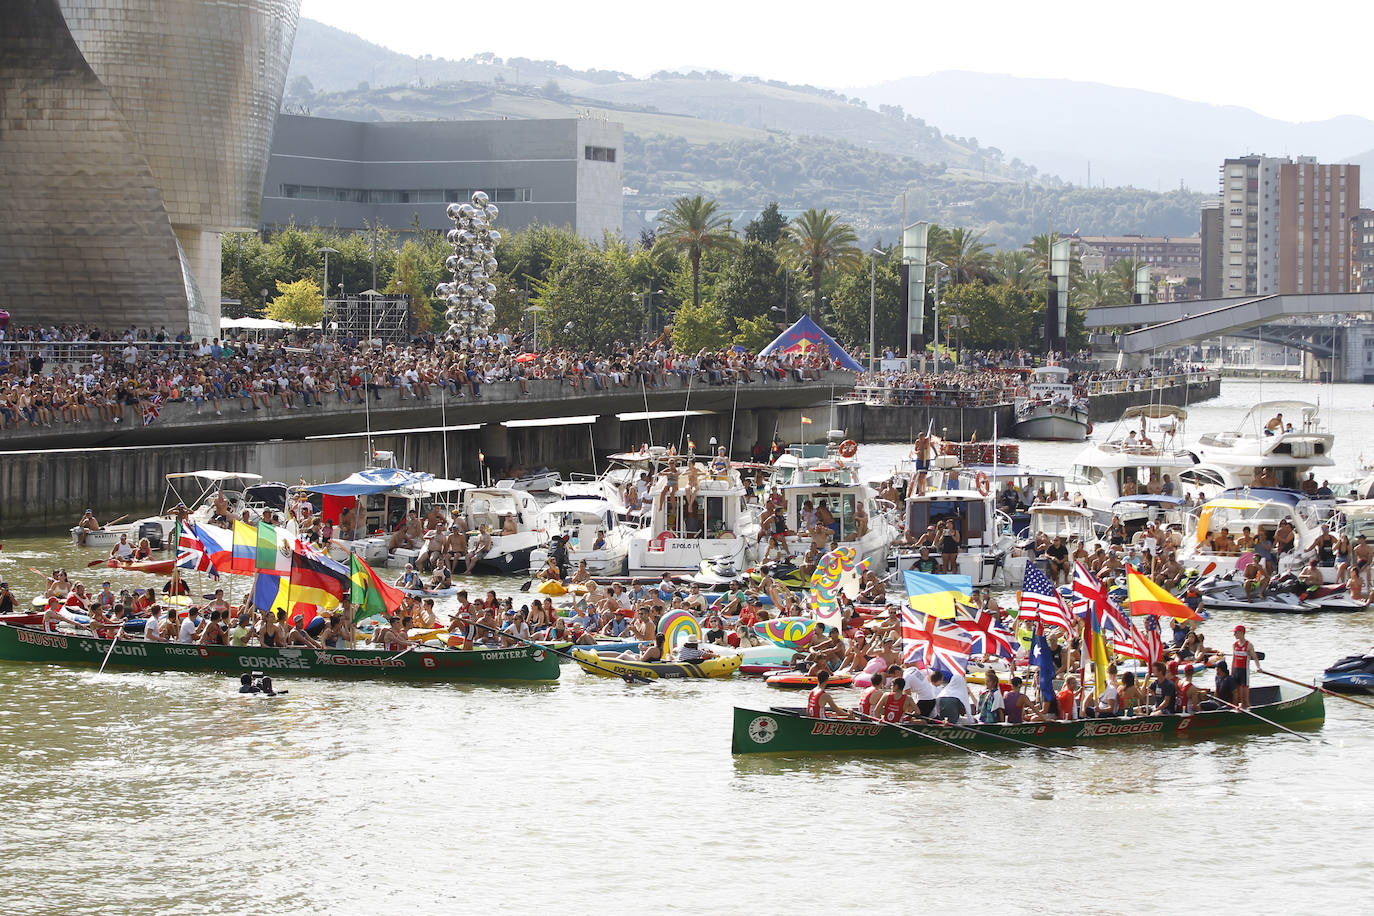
(169, 793)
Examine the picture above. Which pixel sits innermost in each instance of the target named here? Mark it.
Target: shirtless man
(1224, 544)
(480, 548)
(1283, 538)
(87, 524)
(1361, 554)
(1256, 581)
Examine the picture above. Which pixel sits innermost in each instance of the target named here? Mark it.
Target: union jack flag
(151, 408)
(1040, 601)
(929, 642)
(988, 634)
(191, 554)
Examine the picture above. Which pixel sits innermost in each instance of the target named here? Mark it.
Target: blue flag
(1042, 657)
(936, 595)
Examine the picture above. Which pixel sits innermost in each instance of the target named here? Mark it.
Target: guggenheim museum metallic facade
(132, 134)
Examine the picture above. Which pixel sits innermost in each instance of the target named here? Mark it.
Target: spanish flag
(937, 596)
(1147, 598)
(806, 421)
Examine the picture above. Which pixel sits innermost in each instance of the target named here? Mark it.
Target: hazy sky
(1164, 46)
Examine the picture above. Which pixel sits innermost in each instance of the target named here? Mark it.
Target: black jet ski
(1352, 674)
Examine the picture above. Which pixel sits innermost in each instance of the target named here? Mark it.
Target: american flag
(1040, 601)
(989, 636)
(930, 642)
(1152, 640)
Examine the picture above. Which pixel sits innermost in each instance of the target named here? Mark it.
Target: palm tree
(1098, 289)
(1018, 268)
(1122, 273)
(693, 225)
(1039, 249)
(965, 254)
(820, 242)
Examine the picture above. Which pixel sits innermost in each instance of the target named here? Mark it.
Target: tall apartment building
(1362, 252)
(1315, 205)
(1212, 257)
(1285, 227)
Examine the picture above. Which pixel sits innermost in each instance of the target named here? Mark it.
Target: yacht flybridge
(1276, 444)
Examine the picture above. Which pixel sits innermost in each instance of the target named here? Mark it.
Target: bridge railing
(936, 397)
(1150, 382)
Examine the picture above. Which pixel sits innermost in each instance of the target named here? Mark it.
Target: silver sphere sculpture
(467, 297)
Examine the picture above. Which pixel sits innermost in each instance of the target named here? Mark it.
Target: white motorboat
(1142, 453)
(1051, 410)
(1259, 510)
(541, 481)
(985, 534)
(583, 519)
(512, 518)
(830, 483)
(379, 498)
(1262, 451)
(197, 490)
(717, 524)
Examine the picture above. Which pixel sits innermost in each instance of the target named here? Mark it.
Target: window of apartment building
(599, 153)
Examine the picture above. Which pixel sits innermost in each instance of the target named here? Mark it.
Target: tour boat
(718, 525)
(788, 730)
(1050, 410)
(580, 518)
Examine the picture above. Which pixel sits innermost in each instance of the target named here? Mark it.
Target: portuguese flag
(369, 594)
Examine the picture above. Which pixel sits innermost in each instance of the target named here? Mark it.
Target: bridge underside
(1174, 324)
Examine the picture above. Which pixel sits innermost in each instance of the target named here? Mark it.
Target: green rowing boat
(789, 731)
(525, 663)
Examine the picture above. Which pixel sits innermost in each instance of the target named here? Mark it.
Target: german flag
(318, 581)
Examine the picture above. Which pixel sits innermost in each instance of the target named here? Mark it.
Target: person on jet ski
(1311, 578)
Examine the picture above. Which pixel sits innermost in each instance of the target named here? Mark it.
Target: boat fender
(849, 448)
(984, 486)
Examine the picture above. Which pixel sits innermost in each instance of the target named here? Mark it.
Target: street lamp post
(324, 287)
(940, 268)
(533, 311)
(873, 308)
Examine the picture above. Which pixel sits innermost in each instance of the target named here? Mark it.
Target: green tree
(1122, 274)
(849, 302)
(589, 303)
(751, 282)
(420, 268)
(693, 226)
(753, 334)
(1018, 268)
(998, 317)
(818, 241)
(1096, 290)
(699, 326)
(298, 303)
(768, 226)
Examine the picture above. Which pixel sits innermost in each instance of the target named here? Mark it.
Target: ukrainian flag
(937, 595)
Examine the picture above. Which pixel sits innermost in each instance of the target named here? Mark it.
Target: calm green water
(138, 793)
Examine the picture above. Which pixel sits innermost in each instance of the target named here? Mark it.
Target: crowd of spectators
(77, 375)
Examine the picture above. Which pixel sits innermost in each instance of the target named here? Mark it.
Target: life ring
(660, 542)
(849, 448)
(984, 486)
(1090, 429)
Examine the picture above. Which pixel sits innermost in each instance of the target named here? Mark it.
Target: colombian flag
(245, 551)
(938, 596)
(1148, 598)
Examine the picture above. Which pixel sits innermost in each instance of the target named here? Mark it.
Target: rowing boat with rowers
(524, 663)
(788, 730)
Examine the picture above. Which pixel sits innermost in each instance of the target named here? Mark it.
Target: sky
(1165, 46)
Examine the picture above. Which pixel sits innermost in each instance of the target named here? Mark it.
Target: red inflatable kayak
(806, 682)
(153, 567)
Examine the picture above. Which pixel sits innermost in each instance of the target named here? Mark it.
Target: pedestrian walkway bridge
(1163, 325)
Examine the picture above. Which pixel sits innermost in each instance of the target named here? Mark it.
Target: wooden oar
(628, 678)
(119, 629)
(920, 734)
(1330, 693)
(1251, 712)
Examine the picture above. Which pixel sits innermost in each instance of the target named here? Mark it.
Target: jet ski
(1352, 674)
(1285, 596)
(717, 572)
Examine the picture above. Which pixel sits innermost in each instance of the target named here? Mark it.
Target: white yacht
(716, 525)
(1260, 510)
(581, 518)
(491, 509)
(828, 481)
(1276, 444)
(1050, 410)
(197, 490)
(1143, 451)
(380, 499)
